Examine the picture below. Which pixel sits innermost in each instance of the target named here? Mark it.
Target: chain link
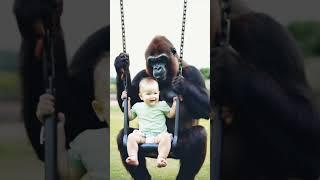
(182, 35)
(225, 23)
(182, 32)
(123, 27)
(125, 82)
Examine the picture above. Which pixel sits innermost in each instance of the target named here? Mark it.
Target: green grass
(19, 158)
(9, 85)
(117, 170)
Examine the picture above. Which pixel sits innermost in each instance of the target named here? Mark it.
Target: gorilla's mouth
(160, 75)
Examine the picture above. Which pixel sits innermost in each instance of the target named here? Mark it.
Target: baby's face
(150, 94)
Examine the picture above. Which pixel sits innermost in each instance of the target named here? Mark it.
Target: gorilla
(162, 63)
(77, 93)
(271, 125)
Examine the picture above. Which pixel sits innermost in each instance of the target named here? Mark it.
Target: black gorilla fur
(74, 85)
(192, 139)
(275, 129)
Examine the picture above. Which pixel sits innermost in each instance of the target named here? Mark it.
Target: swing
(50, 124)
(152, 147)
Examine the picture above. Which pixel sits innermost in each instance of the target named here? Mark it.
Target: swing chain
(218, 123)
(123, 27)
(182, 35)
(182, 32)
(225, 23)
(125, 82)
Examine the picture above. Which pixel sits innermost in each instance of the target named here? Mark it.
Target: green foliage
(205, 72)
(113, 86)
(307, 33)
(9, 85)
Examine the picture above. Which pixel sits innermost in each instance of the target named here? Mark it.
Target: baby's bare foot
(132, 160)
(161, 162)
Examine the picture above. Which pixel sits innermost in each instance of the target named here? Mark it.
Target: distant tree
(307, 33)
(8, 60)
(205, 72)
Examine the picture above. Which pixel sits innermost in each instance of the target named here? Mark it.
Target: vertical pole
(50, 123)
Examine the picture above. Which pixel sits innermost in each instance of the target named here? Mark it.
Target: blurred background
(302, 19)
(79, 19)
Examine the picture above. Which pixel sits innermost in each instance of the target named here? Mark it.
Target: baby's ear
(98, 109)
(140, 95)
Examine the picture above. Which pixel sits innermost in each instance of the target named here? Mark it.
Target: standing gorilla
(162, 63)
(273, 128)
(81, 92)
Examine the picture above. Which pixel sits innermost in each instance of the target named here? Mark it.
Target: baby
(151, 116)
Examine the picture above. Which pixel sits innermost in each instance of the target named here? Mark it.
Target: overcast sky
(83, 17)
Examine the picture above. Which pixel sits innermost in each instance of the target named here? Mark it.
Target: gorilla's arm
(253, 94)
(27, 13)
(193, 89)
(244, 87)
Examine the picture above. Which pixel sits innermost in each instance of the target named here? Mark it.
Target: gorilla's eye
(160, 59)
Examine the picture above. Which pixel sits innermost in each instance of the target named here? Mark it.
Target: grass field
(117, 170)
(18, 160)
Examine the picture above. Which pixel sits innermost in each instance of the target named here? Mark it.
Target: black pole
(217, 130)
(176, 125)
(50, 123)
(126, 122)
(125, 110)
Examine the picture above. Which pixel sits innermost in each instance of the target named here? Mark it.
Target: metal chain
(182, 35)
(182, 32)
(125, 82)
(123, 27)
(217, 125)
(225, 23)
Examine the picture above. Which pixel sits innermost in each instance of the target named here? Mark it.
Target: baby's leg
(164, 147)
(134, 139)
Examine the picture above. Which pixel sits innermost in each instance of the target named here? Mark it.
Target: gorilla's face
(158, 65)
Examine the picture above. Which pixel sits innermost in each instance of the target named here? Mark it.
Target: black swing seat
(151, 149)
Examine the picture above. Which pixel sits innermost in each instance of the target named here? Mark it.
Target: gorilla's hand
(178, 85)
(30, 12)
(226, 73)
(122, 63)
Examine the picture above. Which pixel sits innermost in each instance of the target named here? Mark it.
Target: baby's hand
(175, 99)
(124, 95)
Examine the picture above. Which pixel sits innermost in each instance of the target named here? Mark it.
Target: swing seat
(151, 149)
